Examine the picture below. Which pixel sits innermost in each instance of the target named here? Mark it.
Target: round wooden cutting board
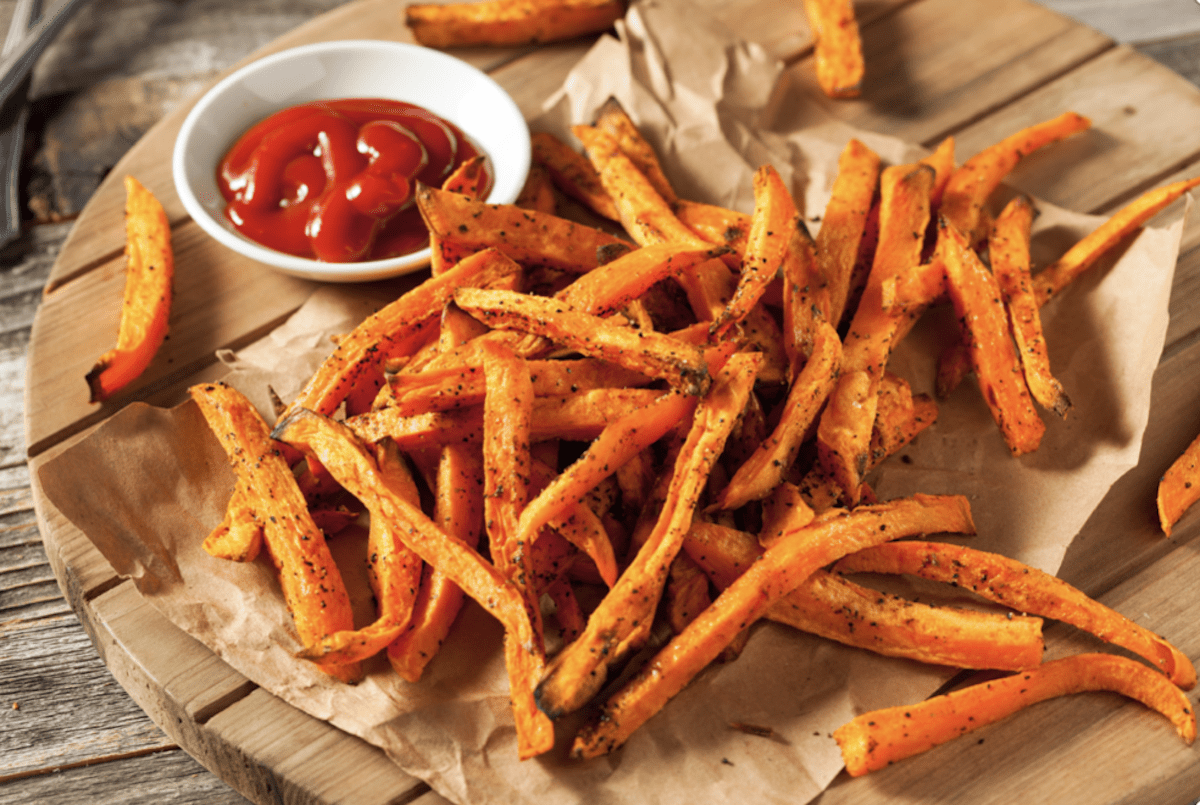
(934, 69)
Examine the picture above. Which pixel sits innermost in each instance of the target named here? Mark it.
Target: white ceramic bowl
(442, 84)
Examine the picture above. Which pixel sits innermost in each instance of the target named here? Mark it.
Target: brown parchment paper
(149, 484)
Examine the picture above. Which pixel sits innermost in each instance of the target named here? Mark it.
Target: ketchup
(334, 180)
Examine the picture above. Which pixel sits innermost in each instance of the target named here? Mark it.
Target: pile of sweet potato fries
(677, 411)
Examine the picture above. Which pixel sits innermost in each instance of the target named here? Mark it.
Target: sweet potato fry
(876, 739)
(1179, 487)
(612, 118)
(471, 179)
(773, 224)
(527, 236)
(654, 354)
(1008, 248)
(239, 536)
(310, 580)
(828, 605)
(619, 443)
(976, 298)
(642, 211)
(348, 460)
(622, 620)
(838, 47)
(458, 510)
(780, 570)
(573, 174)
(970, 186)
(395, 330)
(611, 287)
(509, 22)
(844, 221)
(507, 413)
(146, 307)
(763, 471)
(1024, 589)
(1048, 282)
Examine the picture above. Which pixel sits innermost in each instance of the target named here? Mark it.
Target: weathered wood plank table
(71, 630)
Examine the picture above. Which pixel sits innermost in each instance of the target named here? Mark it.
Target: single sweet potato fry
(780, 570)
(1048, 282)
(881, 737)
(611, 287)
(774, 223)
(508, 23)
(146, 306)
(1024, 589)
(1179, 487)
(310, 580)
(844, 222)
(838, 47)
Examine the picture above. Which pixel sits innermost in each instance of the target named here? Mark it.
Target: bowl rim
(306, 267)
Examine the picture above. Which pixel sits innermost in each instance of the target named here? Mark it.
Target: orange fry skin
(976, 297)
(641, 209)
(310, 580)
(146, 306)
(784, 566)
(879, 738)
(612, 118)
(1024, 589)
(844, 222)
(1179, 487)
(508, 23)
